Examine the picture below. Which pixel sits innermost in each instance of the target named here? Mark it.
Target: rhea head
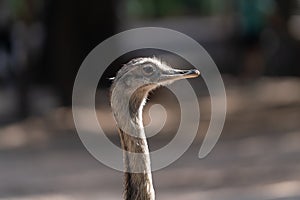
(135, 80)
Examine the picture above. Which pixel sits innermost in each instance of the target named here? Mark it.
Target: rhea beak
(192, 73)
(176, 74)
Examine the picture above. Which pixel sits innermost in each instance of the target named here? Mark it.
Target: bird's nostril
(182, 72)
(187, 72)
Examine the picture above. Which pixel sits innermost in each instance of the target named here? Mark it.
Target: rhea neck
(127, 108)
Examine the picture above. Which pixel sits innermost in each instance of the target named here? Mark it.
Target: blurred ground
(256, 158)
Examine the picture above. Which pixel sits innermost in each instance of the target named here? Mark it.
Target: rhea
(129, 91)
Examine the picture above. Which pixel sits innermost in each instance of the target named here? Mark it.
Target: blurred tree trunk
(74, 28)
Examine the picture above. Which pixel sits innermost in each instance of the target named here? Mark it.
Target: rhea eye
(148, 69)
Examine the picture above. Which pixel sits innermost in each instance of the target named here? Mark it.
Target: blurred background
(256, 46)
